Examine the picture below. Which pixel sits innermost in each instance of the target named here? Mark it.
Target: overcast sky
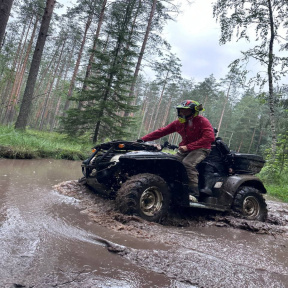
(194, 37)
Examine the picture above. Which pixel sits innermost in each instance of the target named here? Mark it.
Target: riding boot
(206, 191)
(209, 183)
(193, 192)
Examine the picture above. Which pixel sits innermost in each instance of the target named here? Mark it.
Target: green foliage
(276, 167)
(275, 172)
(36, 144)
(107, 94)
(279, 192)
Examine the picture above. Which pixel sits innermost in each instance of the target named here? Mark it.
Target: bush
(274, 173)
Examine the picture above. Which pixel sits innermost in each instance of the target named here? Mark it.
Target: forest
(81, 72)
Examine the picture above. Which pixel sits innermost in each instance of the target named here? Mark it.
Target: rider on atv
(197, 135)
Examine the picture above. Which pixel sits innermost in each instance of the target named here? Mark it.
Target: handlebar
(170, 146)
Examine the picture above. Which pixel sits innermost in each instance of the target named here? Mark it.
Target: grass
(37, 144)
(275, 182)
(279, 192)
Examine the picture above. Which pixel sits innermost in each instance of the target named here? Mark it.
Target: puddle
(55, 232)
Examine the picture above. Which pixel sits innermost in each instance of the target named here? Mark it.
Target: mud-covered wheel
(146, 195)
(250, 203)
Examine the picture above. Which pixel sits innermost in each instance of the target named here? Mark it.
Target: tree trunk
(16, 71)
(252, 139)
(230, 139)
(206, 97)
(223, 110)
(45, 73)
(270, 81)
(57, 108)
(5, 8)
(259, 141)
(149, 129)
(165, 118)
(143, 112)
(35, 64)
(66, 66)
(15, 94)
(160, 100)
(137, 69)
(91, 59)
(51, 86)
(240, 145)
(76, 68)
(9, 85)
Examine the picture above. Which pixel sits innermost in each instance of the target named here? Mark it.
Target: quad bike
(146, 181)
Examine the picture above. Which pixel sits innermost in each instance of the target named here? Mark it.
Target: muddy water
(57, 233)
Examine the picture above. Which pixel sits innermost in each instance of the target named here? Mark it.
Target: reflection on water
(45, 241)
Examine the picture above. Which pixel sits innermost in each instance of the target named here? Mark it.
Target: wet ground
(57, 233)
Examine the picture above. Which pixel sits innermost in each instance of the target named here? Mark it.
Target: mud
(68, 236)
(202, 249)
(45, 242)
(103, 211)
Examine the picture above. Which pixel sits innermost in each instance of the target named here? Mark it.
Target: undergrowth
(38, 144)
(274, 174)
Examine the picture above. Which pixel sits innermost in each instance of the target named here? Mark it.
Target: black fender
(233, 183)
(169, 168)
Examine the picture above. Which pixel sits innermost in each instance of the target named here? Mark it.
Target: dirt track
(202, 249)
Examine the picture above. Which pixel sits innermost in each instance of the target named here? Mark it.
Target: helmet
(194, 106)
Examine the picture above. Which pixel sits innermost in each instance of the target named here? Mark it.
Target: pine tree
(5, 8)
(105, 101)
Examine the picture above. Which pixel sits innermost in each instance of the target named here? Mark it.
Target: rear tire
(146, 195)
(250, 203)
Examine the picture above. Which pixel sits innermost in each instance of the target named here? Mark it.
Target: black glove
(166, 144)
(139, 141)
(173, 147)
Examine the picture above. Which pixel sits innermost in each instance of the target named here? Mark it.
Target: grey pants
(190, 160)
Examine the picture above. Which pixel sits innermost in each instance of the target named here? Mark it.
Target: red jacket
(196, 133)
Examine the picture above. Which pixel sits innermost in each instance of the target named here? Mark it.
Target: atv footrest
(207, 206)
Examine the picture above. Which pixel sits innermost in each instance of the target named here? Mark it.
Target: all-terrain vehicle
(146, 181)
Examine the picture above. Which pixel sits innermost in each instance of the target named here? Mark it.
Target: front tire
(146, 195)
(250, 203)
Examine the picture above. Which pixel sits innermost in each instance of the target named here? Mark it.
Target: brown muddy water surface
(55, 232)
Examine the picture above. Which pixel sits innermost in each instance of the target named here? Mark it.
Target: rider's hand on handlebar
(158, 146)
(139, 141)
(183, 149)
